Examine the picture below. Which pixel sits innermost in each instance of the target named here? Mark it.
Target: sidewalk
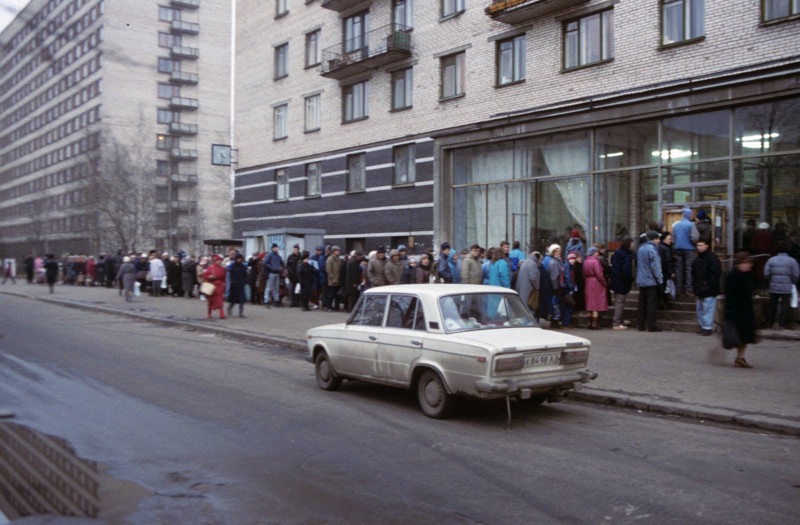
(668, 372)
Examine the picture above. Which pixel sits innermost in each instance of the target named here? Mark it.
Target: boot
(222, 313)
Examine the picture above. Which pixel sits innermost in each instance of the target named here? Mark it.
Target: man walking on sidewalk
(706, 271)
(648, 278)
(782, 272)
(685, 235)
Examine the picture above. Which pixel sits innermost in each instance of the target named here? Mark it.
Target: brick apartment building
(390, 121)
(108, 113)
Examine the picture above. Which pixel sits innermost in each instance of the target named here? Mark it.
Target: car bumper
(513, 386)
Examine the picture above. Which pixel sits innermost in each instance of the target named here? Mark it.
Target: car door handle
(416, 343)
(373, 338)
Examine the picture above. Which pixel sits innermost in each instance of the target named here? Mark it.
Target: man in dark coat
(237, 279)
(29, 261)
(352, 280)
(51, 270)
(706, 272)
(739, 286)
(621, 280)
(292, 267)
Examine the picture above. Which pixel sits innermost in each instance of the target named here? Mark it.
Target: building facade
(522, 119)
(109, 111)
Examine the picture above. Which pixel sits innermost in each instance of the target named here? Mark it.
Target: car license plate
(542, 359)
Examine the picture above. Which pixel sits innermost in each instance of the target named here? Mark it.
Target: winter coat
(705, 231)
(596, 299)
(127, 274)
(500, 274)
(333, 268)
(445, 269)
(622, 272)
(739, 287)
(783, 272)
(706, 272)
(527, 278)
(353, 276)
(157, 270)
(375, 272)
(516, 256)
(237, 278)
(575, 245)
(648, 266)
(422, 274)
(273, 263)
(305, 276)
(51, 270)
(667, 260)
(471, 271)
(684, 232)
(554, 270)
(215, 274)
(292, 265)
(175, 277)
(393, 272)
(545, 289)
(188, 275)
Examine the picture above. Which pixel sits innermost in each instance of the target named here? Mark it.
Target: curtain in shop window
(570, 157)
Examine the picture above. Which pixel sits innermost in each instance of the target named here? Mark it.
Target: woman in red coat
(596, 300)
(215, 274)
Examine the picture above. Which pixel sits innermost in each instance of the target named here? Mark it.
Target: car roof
(438, 290)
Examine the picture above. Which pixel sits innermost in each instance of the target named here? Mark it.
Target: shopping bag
(670, 289)
(793, 299)
(730, 335)
(164, 283)
(137, 288)
(207, 288)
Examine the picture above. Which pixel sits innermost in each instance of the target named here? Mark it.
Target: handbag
(207, 288)
(569, 301)
(730, 335)
(533, 300)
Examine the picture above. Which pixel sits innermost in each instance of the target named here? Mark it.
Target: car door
(360, 337)
(401, 340)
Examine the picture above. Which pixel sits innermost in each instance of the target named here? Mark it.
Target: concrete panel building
(108, 113)
(383, 121)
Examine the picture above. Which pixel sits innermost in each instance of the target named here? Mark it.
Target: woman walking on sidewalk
(215, 274)
(739, 287)
(127, 276)
(237, 273)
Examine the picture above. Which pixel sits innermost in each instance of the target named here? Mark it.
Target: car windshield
(481, 311)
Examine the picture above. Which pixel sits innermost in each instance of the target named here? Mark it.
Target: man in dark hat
(445, 275)
(649, 279)
(376, 268)
(271, 271)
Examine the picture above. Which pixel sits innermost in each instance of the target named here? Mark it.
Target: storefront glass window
(695, 172)
(469, 205)
(767, 128)
(695, 137)
(627, 145)
(558, 207)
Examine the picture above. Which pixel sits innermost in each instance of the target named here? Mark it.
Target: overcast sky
(8, 10)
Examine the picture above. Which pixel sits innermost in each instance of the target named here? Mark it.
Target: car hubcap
(433, 394)
(324, 370)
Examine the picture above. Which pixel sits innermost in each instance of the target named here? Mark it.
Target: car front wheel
(326, 379)
(433, 398)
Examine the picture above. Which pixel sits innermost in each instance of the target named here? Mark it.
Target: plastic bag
(164, 283)
(670, 289)
(793, 298)
(137, 289)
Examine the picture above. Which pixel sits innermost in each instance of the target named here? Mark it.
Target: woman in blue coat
(499, 275)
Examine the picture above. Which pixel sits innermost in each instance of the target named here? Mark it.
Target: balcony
(184, 103)
(521, 11)
(374, 49)
(183, 154)
(180, 179)
(186, 28)
(340, 5)
(192, 53)
(182, 77)
(182, 128)
(186, 4)
(183, 205)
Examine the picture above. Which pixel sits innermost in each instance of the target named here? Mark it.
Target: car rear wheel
(326, 379)
(433, 398)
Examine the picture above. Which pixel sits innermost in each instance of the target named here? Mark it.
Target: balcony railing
(183, 77)
(183, 178)
(373, 49)
(192, 53)
(189, 28)
(182, 128)
(188, 4)
(340, 5)
(183, 154)
(183, 205)
(184, 103)
(520, 11)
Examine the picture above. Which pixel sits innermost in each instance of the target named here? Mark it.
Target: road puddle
(42, 475)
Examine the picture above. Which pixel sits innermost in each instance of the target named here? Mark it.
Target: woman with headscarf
(237, 279)
(594, 277)
(127, 276)
(215, 274)
(739, 319)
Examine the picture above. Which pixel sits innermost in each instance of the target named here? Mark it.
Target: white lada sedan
(445, 341)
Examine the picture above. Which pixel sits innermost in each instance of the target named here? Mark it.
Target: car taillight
(504, 364)
(569, 357)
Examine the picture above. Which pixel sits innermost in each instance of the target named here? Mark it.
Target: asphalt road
(218, 431)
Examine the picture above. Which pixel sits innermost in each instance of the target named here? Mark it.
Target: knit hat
(652, 235)
(702, 215)
(335, 247)
(380, 249)
(392, 253)
(553, 247)
(445, 246)
(572, 256)
(687, 212)
(575, 234)
(401, 248)
(218, 257)
(126, 259)
(591, 251)
(763, 226)
(274, 245)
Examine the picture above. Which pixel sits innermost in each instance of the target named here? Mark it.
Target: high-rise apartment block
(401, 121)
(108, 114)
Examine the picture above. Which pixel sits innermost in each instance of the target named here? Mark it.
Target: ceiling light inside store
(751, 138)
(611, 155)
(674, 153)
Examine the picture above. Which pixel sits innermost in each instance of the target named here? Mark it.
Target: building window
(313, 179)
(167, 142)
(511, 60)
(404, 164)
(312, 113)
(453, 75)
(166, 116)
(777, 9)
(356, 172)
(355, 31)
(168, 40)
(167, 14)
(355, 103)
(165, 65)
(168, 91)
(452, 7)
(281, 185)
(403, 15)
(589, 40)
(402, 88)
(682, 20)
(281, 61)
(281, 7)
(312, 48)
(280, 121)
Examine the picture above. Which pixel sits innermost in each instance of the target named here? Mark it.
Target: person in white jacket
(157, 273)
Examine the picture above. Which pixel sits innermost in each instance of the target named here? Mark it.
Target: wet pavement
(669, 372)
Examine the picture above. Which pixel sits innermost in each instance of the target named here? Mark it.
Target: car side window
(419, 318)
(405, 311)
(372, 313)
